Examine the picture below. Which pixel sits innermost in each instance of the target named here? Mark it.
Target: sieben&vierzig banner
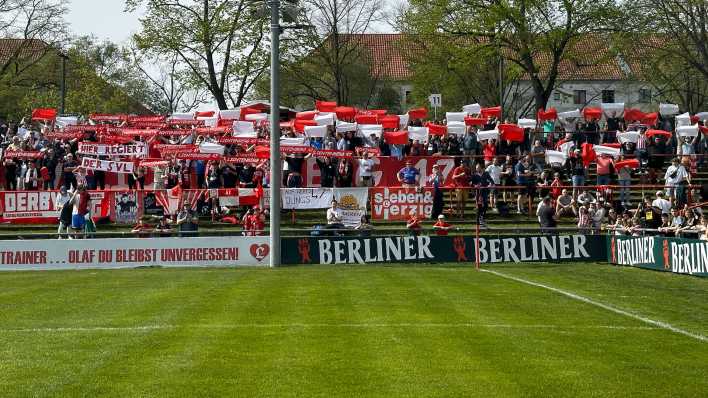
(127, 252)
(681, 256)
(440, 249)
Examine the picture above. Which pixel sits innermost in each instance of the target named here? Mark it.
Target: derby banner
(681, 256)
(442, 249)
(127, 253)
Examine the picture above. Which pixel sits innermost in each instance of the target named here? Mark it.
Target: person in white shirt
(661, 203)
(495, 171)
(366, 165)
(675, 175)
(334, 217)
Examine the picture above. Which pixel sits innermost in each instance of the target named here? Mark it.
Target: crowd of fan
(503, 172)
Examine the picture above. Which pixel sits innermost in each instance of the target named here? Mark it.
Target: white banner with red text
(107, 165)
(40, 207)
(128, 253)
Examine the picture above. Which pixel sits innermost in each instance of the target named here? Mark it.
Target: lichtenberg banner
(442, 249)
(681, 256)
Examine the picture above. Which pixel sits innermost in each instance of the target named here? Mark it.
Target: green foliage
(221, 43)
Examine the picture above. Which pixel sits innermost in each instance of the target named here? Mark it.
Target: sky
(104, 19)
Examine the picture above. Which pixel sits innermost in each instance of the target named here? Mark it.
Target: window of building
(579, 96)
(556, 96)
(608, 96)
(644, 95)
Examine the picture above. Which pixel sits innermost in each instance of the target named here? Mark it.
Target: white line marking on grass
(318, 325)
(616, 310)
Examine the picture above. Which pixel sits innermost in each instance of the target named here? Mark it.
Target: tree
(668, 40)
(38, 27)
(533, 35)
(221, 43)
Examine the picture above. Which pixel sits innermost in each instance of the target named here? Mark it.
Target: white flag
(668, 109)
(365, 130)
(629, 136)
(244, 129)
(316, 131)
(702, 116)
(418, 133)
(606, 150)
(256, 117)
(555, 157)
(687, 131)
(455, 116)
(456, 128)
(566, 147)
(211, 147)
(472, 109)
(403, 121)
(209, 121)
(569, 114)
(63, 121)
(527, 123)
(683, 119)
(231, 114)
(615, 107)
(343, 127)
(292, 141)
(488, 135)
(325, 119)
(182, 116)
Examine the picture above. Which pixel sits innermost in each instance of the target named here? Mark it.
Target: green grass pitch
(325, 331)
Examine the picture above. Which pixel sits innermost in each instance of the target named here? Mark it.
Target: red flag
(694, 119)
(631, 163)
(550, 114)
(307, 115)
(418, 113)
(436, 129)
(511, 132)
(367, 119)
(389, 121)
(704, 130)
(592, 113)
(300, 124)
(205, 114)
(377, 112)
(632, 114)
(650, 119)
(44, 114)
(652, 133)
(345, 112)
(262, 152)
(259, 191)
(588, 154)
(613, 145)
(396, 137)
(248, 111)
(326, 107)
(475, 121)
(493, 111)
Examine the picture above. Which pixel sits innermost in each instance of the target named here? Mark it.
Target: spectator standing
(546, 216)
(624, 178)
(495, 172)
(461, 176)
(436, 180)
(408, 176)
(676, 178)
(604, 165)
(413, 225)
(366, 167)
(522, 180)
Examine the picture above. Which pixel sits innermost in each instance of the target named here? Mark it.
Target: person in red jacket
(442, 227)
(413, 225)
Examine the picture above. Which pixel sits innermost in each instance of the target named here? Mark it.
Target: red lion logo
(303, 247)
(458, 243)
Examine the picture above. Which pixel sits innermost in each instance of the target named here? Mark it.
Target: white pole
(275, 162)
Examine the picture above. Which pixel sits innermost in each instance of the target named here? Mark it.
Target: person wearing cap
(442, 227)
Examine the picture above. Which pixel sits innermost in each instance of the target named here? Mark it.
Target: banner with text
(442, 249)
(89, 148)
(352, 204)
(681, 256)
(125, 253)
(107, 165)
(400, 203)
(36, 207)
